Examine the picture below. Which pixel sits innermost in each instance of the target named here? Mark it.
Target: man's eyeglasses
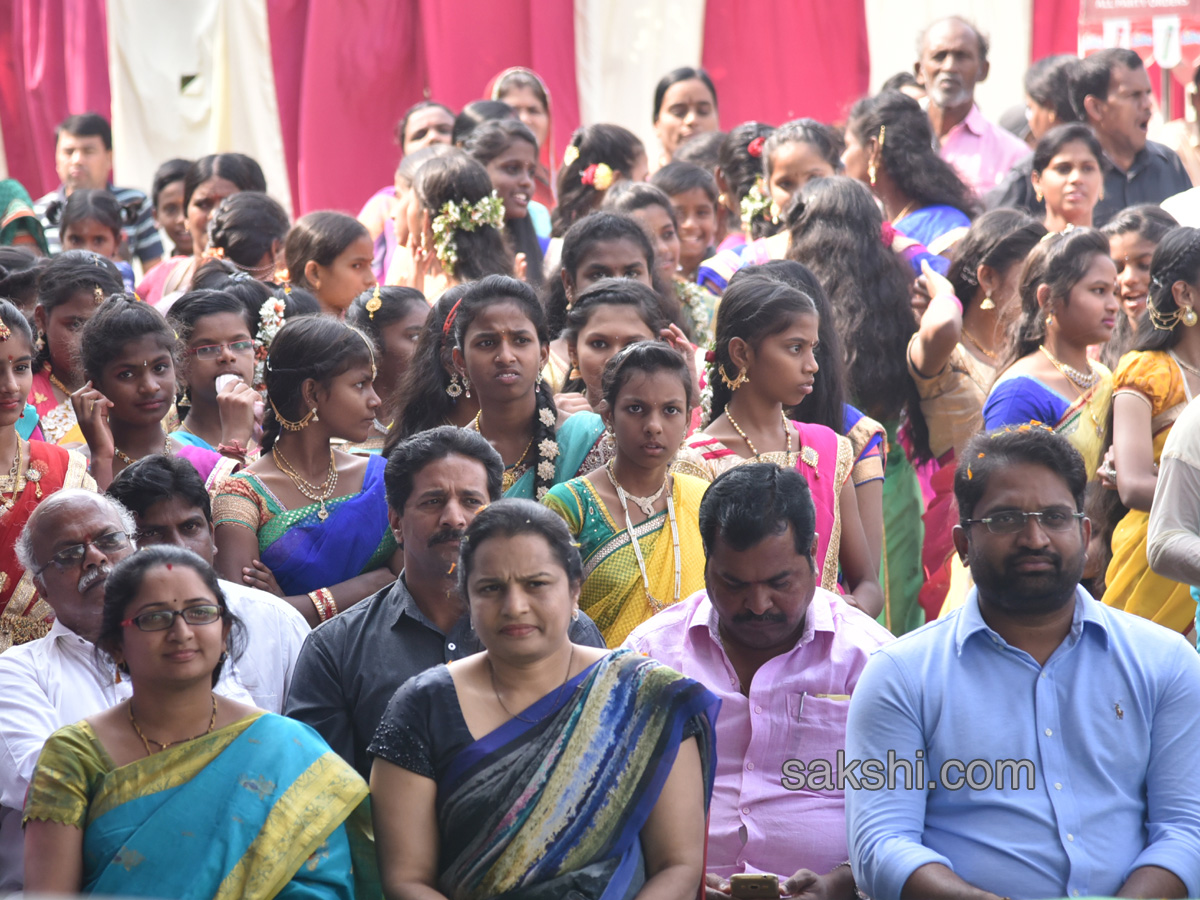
(71, 556)
(213, 351)
(1013, 521)
(162, 619)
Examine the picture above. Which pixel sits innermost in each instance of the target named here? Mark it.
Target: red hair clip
(755, 147)
(449, 323)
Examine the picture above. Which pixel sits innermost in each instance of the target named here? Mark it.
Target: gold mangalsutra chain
(146, 742)
(510, 476)
(62, 387)
(978, 346)
(1081, 380)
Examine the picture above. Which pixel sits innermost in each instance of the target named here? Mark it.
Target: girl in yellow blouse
(1152, 385)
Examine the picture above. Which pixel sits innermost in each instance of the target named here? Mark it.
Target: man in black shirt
(1110, 90)
(351, 665)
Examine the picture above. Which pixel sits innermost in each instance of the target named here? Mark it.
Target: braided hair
(740, 170)
(1176, 258)
(497, 289)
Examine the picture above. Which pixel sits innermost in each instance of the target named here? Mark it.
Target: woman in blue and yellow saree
(178, 792)
(540, 769)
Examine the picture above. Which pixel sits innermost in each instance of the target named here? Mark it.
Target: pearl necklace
(788, 431)
(645, 504)
(1081, 380)
(655, 604)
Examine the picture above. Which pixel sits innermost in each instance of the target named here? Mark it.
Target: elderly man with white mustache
(70, 544)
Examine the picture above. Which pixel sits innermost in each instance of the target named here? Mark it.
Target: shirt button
(1043, 675)
(451, 646)
(750, 767)
(1074, 893)
(746, 810)
(1071, 838)
(758, 709)
(1049, 732)
(1058, 785)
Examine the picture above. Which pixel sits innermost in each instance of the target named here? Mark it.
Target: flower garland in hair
(547, 448)
(758, 204)
(710, 376)
(694, 300)
(463, 216)
(271, 316)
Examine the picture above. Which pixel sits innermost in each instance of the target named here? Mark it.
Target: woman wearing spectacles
(218, 406)
(178, 792)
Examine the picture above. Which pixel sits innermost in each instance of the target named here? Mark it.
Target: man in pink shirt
(784, 656)
(953, 59)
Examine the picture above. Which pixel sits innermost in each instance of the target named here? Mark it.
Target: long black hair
(457, 178)
(835, 228)
(316, 347)
(246, 227)
(488, 292)
(907, 151)
(1059, 262)
(593, 145)
(753, 309)
(483, 145)
(826, 405)
(997, 239)
(423, 401)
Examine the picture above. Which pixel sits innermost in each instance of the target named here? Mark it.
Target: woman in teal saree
(128, 802)
(499, 776)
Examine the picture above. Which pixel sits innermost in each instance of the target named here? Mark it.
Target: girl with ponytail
(763, 362)
(306, 522)
(500, 344)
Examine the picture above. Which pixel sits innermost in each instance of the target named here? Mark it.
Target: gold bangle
(323, 602)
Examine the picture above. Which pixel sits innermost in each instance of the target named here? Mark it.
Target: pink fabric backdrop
(53, 62)
(811, 61)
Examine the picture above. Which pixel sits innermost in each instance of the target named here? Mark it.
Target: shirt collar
(1087, 613)
(975, 122)
(406, 605)
(819, 617)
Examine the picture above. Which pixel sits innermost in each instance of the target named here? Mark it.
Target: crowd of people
(810, 508)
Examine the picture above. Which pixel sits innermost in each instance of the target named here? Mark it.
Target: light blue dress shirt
(1111, 725)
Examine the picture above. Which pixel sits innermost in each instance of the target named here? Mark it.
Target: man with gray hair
(952, 58)
(70, 545)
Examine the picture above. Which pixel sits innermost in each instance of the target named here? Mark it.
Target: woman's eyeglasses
(162, 619)
(213, 351)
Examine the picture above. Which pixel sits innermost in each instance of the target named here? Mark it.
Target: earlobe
(312, 273)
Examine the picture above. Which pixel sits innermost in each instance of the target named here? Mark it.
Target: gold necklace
(12, 481)
(146, 742)
(978, 346)
(557, 697)
(309, 490)
(62, 387)
(511, 473)
(1074, 382)
(749, 443)
(645, 504)
(129, 460)
(1081, 380)
(904, 212)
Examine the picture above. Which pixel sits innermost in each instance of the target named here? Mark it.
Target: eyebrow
(521, 331)
(162, 357)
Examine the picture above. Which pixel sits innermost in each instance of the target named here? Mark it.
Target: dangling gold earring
(871, 173)
(1037, 192)
(574, 373)
(987, 303)
(454, 389)
(1188, 317)
(733, 383)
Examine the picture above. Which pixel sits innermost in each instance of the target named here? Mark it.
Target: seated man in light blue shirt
(1048, 742)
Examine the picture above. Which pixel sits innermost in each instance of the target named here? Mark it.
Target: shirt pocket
(816, 729)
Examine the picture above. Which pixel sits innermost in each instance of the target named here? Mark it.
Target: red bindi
(169, 567)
